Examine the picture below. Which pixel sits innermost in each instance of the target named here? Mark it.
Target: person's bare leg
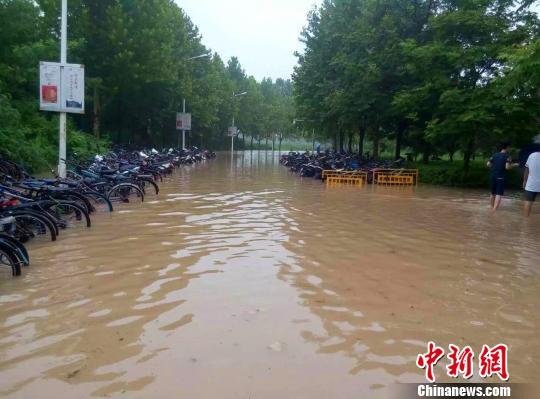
(492, 199)
(527, 208)
(497, 202)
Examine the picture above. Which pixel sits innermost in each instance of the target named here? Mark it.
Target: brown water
(243, 281)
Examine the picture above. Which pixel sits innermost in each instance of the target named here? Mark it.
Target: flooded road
(243, 281)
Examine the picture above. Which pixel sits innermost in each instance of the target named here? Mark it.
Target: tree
(440, 76)
(139, 67)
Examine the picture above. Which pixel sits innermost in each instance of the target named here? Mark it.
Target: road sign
(61, 87)
(233, 131)
(49, 83)
(183, 121)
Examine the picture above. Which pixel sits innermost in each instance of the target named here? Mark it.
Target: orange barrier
(350, 177)
(341, 173)
(355, 180)
(396, 177)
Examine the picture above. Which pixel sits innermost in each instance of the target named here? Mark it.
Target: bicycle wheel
(146, 182)
(99, 202)
(40, 213)
(18, 248)
(9, 264)
(73, 196)
(34, 208)
(126, 192)
(67, 213)
(29, 225)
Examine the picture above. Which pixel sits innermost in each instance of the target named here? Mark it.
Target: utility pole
(62, 128)
(184, 103)
(183, 130)
(234, 95)
(232, 137)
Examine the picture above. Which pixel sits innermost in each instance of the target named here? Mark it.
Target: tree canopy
(433, 76)
(138, 57)
(437, 76)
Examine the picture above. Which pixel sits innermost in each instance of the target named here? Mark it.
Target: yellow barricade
(354, 177)
(355, 181)
(396, 177)
(348, 173)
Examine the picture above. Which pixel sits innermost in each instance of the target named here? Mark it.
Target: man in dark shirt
(499, 164)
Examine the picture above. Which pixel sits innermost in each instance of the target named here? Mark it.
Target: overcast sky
(263, 34)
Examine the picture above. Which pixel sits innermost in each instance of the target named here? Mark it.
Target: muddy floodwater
(241, 280)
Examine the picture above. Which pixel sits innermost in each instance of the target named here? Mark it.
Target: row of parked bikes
(313, 164)
(40, 209)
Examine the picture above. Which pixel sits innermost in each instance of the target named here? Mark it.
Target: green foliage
(452, 174)
(138, 56)
(438, 76)
(34, 141)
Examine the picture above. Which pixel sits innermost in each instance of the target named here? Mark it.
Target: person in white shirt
(531, 181)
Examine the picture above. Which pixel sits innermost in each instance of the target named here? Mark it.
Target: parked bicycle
(313, 165)
(36, 209)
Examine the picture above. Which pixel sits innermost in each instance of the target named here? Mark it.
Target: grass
(452, 174)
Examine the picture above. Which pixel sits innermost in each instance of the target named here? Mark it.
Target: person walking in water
(499, 164)
(531, 181)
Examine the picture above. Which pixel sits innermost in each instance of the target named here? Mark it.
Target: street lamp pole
(200, 56)
(232, 136)
(232, 130)
(62, 153)
(183, 130)
(184, 101)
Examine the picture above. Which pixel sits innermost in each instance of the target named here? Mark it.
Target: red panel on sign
(49, 94)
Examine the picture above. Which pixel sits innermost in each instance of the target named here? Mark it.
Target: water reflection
(242, 280)
(390, 269)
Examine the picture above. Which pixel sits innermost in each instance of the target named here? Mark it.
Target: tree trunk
(399, 138)
(341, 140)
(252, 142)
(361, 138)
(466, 161)
(97, 111)
(335, 140)
(351, 133)
(425, 157)
(120, 121)
(376, 141)
(467, 155)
